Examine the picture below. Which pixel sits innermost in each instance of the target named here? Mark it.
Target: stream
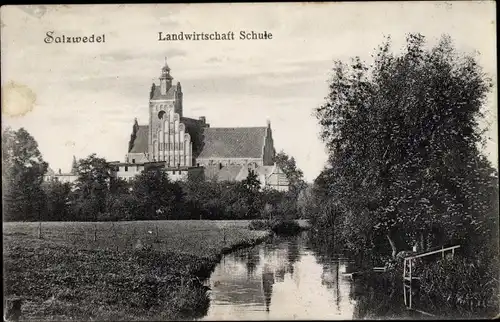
(284, 278)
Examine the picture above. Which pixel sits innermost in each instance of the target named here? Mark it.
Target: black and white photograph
(250, 161)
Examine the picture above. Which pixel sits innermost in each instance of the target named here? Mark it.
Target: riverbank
(135, 271)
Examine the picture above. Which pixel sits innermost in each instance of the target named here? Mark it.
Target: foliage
(444, 283)
(405, 166)
(58, 200)
(403, 139)
(154, 195)
(97, 195)
(250, 191)
(284, 227)
(91, 187)
(294, 175)
(22, 175)
(258, 224)
(277, 225)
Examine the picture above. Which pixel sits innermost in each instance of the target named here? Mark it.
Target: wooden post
(410, 291)
(452, 253)
(410, 280)
(157, 234)
(40, 230)
(404, 269)
(404, 294)
(442, 252)
(224, 232)
(95, 232)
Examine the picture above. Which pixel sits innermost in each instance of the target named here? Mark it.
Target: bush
(285, 227)
(259, 225)
(460, 283)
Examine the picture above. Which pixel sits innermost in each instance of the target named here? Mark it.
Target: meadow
(116, 270)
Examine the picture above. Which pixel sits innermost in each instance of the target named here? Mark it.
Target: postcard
(250, 161)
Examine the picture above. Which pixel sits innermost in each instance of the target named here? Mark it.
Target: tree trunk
(393, 246)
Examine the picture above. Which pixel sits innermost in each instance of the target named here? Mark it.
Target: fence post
(40, 230)
(95, 232)
(410, 278)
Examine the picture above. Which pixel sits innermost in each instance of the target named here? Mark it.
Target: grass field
(116, 271)
(202, 238)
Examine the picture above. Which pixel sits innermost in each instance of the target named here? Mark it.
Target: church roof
(158, 96)
(141, 141)
(240, 142)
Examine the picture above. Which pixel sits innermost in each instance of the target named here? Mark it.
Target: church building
(186, 147)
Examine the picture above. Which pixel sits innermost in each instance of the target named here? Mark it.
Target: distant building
(270, 176)
(185, 146)
(128, 171)
(69, 177)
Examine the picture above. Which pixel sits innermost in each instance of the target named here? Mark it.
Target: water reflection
(280, 279)
(285, 279)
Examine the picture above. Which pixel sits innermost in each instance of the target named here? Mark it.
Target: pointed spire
(152, 91)
(74, 166)
(165, 68)
(133, 136)
(165, 79)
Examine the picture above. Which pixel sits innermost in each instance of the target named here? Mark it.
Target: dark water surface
(284, 278)
(287, 278)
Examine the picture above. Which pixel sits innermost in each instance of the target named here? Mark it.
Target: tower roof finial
(166, 68)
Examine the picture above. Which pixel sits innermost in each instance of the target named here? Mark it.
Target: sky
(78, 99)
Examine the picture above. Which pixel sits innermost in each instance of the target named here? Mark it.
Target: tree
(155, 196)
(294, 175)
(58, 199)
(95, 178)
(251, 188)
(23, 168)
(403, 141)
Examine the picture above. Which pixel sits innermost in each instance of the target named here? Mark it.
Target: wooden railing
(409, 261)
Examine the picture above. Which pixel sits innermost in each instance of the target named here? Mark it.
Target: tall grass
(128, 272)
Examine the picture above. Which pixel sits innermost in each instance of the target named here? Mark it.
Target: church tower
(168, 139)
